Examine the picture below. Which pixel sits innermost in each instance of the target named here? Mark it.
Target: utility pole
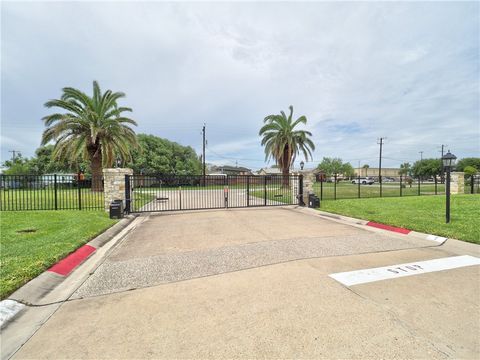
(203, 156)
(14, 152)
(380, 142)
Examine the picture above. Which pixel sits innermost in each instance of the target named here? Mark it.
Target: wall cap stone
(126, 171)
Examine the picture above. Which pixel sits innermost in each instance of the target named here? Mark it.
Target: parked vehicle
(388, 179)
(363, 181)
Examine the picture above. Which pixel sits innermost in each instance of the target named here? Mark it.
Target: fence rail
(354, 188)
(49, 192)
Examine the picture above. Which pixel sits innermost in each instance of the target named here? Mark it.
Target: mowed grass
(347, 190)
(45, 199)
(279, 195)
(25, 255)
(420, 213)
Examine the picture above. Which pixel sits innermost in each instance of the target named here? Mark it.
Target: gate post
(308, 178)
(300, 190)
(115, 186)
(127, 194)
(296, 189)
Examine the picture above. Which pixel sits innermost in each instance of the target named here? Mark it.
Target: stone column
(114, 185)
(457, 182)
(308, 180)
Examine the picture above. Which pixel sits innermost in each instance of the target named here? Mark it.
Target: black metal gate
(145, 193)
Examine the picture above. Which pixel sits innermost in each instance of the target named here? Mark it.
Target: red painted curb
(65, 266)
(388, 227)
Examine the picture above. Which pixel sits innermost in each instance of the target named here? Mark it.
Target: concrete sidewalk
(255, 283)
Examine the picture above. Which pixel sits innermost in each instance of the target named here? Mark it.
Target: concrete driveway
(256, 283)
(190, 199)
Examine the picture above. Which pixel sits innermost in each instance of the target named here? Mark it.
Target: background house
(229, 170)
(373, 172)
(269, 171)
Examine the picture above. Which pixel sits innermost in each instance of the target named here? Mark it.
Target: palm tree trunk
(286, 177)
(96, 164)
(286, 169)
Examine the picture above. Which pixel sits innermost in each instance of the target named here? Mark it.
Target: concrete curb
(372, 226)
(39, 287)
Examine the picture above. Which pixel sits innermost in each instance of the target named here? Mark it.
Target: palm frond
(282, 141)
(90, 127)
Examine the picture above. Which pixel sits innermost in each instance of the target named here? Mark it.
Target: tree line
(425, 168)
(153, 155)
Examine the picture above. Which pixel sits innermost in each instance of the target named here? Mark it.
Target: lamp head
(449, 160)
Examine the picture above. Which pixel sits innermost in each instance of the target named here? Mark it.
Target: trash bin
(116, 209)
(313, 201)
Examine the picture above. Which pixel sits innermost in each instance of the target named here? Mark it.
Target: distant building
(373, 172)
(229, 170)
(269, 171)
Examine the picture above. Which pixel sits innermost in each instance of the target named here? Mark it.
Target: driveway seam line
(245, 269)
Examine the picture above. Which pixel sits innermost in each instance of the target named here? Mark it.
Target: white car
(363, 180)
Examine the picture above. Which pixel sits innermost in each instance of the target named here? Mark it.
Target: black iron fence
(472, 184)
(50, 192)
(334, 189)
(193, 192)
(181, 192)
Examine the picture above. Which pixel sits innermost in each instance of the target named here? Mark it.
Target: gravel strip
(114, 276)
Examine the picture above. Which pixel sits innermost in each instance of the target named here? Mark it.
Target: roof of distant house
(230, 168)
(272, 170)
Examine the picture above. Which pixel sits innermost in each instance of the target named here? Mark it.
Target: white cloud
(408, 71)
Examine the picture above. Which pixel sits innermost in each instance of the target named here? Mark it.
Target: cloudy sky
(359, 71)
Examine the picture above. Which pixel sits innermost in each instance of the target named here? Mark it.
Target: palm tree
(92, 128)
(283, 143)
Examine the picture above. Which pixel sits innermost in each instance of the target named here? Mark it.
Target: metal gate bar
(160, 192)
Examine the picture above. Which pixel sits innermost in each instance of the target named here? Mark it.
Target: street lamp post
(448, 163)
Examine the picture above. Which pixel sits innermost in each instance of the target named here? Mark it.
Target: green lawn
(24, 255)
(45, 199)
(347, 190)
(279, 195)
(421, 213)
